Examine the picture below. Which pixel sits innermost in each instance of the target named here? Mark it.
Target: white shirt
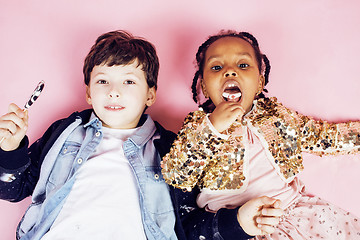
(104, 201)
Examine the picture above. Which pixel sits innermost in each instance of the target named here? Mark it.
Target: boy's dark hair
(122, 48)
(200, 60)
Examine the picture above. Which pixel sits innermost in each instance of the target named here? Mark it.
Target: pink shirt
(264, 181)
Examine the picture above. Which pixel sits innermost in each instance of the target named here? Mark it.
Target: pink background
(312, 45)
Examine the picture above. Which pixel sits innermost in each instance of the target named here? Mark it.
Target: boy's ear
(88, 98)
(151, 97)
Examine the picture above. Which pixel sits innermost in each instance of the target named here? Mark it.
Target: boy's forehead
(133, 68)
(110, 62)
(133, 65)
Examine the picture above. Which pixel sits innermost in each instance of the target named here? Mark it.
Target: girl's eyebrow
(245, 54)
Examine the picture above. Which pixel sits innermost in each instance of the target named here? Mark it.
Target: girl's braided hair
(262, 61)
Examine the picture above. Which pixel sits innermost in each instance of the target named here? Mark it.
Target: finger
(271, 221)
(266, 229)
(9, 126)
(12, 118)
(235, 107)
(269, 201)
(269, 211)
(277, 204)
(15, 109)
(4, 134)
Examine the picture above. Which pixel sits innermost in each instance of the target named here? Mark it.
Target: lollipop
(35, 94)
(32, 99)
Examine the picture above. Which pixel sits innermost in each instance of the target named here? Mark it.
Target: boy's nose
(115, 95)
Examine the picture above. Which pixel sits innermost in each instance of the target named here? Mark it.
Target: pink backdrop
(312, 45)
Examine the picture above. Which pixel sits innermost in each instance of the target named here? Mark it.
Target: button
(97, 134)
(79, 161)
(156, 176)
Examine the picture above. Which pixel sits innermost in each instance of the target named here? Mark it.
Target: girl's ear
(88, 98)
(151, 97)
(203, 89)
(261, 84)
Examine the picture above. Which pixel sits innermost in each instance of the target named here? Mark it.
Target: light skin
(13, 126)
(118, 95)
(230, 63)
(260, 216)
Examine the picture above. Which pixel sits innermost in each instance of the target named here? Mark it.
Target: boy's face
(119, 94)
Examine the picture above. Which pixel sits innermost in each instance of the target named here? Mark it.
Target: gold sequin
(200, 157)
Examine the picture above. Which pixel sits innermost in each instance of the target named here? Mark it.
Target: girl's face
(231, 72)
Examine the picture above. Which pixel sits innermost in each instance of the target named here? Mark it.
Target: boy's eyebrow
(127, 73)
(246, 54)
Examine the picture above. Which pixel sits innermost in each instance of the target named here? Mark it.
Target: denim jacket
(48, 173)
(191, 222)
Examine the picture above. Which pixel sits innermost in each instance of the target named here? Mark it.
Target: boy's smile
(119, 94)
(231, 72)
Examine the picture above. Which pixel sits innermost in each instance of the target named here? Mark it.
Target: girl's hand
(260, 216)
(225, 114)
(13, 126)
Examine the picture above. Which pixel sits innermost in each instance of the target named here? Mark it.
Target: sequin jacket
(202, 156)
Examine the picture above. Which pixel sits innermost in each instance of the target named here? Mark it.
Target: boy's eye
(243, 65)
(128, 82)
(102, 81)
(216, 68)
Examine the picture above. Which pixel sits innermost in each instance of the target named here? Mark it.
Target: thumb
(270, 201)
(242, 112)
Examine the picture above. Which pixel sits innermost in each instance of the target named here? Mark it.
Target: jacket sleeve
(324, 138)
(20, 169)
(194, 151)
(200, 224)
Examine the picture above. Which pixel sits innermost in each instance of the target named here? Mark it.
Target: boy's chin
(118, 125)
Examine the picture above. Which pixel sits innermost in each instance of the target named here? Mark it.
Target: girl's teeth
(231, 95)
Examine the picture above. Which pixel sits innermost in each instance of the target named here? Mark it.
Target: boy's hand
(13, 126)
(225, 114)
(260, 216)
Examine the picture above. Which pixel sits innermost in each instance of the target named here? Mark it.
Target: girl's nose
(230, 73)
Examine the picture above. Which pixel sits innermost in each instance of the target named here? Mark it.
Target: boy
(97, 174)
(91, 160)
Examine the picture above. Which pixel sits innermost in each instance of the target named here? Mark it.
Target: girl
(241, 145)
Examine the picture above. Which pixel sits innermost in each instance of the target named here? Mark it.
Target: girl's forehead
(229, 45)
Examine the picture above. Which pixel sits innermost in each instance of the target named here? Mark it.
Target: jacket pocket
(156, 192)
(63, 165)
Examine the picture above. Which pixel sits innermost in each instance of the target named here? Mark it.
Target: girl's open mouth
(232, 93)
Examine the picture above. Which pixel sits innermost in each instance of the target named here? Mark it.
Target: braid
(267, 69)
(200, 59)
(207, 106)
(194, 86)
(250, 37)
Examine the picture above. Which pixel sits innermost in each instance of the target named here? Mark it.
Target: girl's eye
(128, 82)
(216, 68)
(102, 81)
(243, 65)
